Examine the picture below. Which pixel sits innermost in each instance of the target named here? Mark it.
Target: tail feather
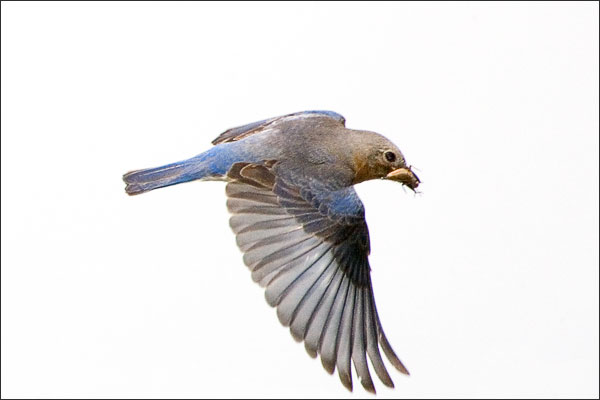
(144, 180)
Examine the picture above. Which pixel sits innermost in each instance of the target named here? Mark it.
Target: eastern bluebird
(302, 228)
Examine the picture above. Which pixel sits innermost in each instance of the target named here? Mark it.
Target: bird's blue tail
(143, 180)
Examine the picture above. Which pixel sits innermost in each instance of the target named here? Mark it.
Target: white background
(487, 282)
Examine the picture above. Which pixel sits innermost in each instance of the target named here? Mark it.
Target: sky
(486, 282)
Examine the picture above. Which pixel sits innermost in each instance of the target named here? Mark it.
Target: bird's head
(375, 157)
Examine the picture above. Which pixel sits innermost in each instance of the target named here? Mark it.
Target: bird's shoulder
(284, 121)
(328, 197)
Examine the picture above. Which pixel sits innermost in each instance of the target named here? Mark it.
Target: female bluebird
(302, 228)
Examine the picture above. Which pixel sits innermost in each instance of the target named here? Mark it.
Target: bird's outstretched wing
(241, 132)
(310, 250)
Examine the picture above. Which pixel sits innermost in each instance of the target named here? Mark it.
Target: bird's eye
(391, 157)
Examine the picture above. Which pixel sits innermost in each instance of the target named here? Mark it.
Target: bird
(301, 227)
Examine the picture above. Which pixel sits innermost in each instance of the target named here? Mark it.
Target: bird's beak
(404, 176)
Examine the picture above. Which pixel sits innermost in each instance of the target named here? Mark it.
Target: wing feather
(359, 343)
(345, 339)
(313, 260)
(328, 346)
(318, 321)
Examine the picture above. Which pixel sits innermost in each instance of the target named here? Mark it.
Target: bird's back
(288, 123)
